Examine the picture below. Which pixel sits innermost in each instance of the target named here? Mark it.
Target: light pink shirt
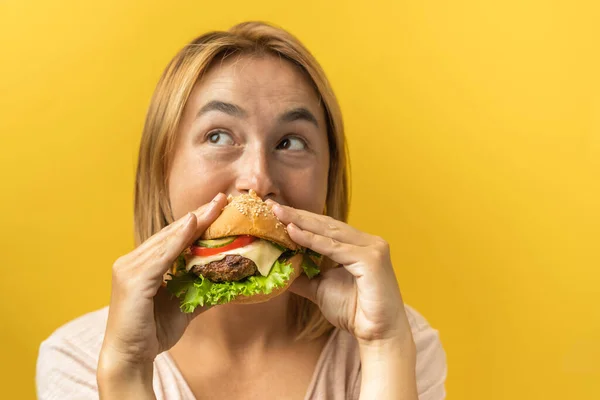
(66, 366)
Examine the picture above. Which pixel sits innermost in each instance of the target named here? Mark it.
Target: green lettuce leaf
(194, 291)
(310, 268)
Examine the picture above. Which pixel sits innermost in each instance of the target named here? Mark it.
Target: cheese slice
(263, 253)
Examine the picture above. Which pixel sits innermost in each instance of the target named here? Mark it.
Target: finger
(305, 287)
(343, 253)
(322, 225)
(171, 323)
(207, 215)
(162, 235)
(166, 251)
(219, 200)
(159, 259)
(180, 238)
(271, 202)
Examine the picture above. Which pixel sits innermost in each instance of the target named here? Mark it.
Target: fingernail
(188, 218)
(216, 198)
(211, 206)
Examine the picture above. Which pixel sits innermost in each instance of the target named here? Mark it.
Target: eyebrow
(296, 114)
(223, 107)
(299, 114)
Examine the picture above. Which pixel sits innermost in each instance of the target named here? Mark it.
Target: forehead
(256, 79)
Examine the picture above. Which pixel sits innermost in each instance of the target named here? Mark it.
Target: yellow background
(474, 130)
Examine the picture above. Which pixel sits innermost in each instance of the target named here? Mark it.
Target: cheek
(306, 189)
(194, 182)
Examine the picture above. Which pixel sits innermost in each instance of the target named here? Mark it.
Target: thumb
(305, 287)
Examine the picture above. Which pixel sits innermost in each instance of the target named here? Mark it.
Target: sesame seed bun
(247, 214)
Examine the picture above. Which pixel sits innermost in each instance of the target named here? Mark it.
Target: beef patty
(231, 268)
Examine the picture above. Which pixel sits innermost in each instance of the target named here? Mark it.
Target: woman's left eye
(291, 143)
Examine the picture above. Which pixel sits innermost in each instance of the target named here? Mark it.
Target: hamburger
(245, 256)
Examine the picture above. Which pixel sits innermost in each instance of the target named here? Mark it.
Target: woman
(247, 109)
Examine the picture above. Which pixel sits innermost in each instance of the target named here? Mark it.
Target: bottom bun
(296, 262)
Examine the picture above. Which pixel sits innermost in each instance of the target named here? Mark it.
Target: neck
(238, 327)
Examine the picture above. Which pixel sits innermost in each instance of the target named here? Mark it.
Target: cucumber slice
(313, 253)
(280, 247)
(213, 243)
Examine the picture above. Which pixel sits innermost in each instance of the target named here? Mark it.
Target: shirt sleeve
(64, 371)
(431, 368)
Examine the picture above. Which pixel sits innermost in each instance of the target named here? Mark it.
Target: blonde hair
(152, 209)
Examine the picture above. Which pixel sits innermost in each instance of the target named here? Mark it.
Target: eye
(292, 143)
(220, 138)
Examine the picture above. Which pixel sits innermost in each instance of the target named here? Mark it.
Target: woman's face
(251, 123)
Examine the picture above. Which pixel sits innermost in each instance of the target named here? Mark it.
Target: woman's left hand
(363, 297)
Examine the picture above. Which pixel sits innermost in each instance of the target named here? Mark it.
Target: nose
(254, 173)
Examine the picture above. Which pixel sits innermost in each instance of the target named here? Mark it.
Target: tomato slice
(239, 241)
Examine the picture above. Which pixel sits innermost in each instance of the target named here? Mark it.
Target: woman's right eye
(220, 138)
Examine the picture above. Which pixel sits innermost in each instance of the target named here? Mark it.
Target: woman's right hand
(144, 320)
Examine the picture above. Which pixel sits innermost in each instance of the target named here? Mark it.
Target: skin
(255, 123)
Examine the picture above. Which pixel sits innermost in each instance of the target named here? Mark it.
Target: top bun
(247, 214)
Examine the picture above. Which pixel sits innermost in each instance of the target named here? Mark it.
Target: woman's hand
(363, 297)
(143, 319)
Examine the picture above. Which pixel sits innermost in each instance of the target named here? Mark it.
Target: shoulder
(427, 339)
(67, 359)
(84, 333)
(431, 368)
